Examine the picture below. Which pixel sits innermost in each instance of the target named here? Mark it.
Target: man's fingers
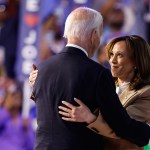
(33, 75)
(32, 78)
(34, 67)
(34, 72)
(68, 104)
(32, 83)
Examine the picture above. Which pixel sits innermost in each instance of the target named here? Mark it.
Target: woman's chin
(115, 75)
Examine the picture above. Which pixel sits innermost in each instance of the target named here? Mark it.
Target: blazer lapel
(127, 97)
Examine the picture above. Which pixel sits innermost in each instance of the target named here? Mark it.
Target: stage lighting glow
(80, 1)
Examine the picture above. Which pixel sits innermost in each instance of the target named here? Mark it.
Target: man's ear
(93, 35)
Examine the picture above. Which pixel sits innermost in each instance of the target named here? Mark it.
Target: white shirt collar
(76, 46)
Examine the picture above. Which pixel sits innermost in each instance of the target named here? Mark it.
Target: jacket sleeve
(101, 127)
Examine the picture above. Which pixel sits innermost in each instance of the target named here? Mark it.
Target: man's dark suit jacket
(72, 74)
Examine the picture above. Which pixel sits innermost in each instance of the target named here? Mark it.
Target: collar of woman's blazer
(127, 96)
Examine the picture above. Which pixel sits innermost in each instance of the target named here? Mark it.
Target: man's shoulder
(47, 61)
(96, 65)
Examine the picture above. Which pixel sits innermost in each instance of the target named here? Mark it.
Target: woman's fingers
(68, 104)
(67, 110)
(73, 113)
(72, 106)
(69, 119)
(67, 116)
(79, 102)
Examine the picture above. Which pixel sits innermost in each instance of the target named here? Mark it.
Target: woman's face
(121, 64)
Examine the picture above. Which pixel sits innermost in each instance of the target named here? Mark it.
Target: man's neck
(79, 47)
(78, 43)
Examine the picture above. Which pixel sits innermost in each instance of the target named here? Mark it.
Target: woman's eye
(111, 54)
(120, 55)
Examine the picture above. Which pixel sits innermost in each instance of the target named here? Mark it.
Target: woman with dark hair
(129, 57)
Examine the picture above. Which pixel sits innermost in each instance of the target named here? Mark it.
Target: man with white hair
(72, 74)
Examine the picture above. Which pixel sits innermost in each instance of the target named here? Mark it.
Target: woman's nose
(113, 59)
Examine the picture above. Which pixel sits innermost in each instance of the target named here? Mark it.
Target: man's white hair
(81, 22)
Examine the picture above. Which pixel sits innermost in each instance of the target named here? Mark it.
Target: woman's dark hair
(139, 52)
